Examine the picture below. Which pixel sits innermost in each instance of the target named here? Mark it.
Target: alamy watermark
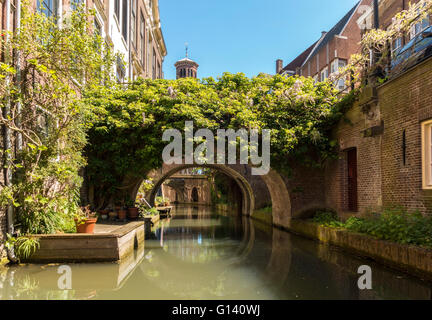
(206, 152)
(64, 282)
(365, 280)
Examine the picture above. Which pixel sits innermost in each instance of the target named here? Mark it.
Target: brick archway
(280, 197)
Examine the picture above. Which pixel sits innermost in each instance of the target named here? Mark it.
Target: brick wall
(384, 179)
(349, 133)
(404, 103)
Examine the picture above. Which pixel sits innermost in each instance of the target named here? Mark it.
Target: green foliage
(328, 219)
(126, 123)
(43, 100)
(24, 247)
(395, 225)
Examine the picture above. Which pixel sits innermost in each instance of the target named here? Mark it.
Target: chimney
(323, 33)
(279, 65)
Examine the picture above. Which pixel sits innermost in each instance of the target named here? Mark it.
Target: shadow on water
(203, 254)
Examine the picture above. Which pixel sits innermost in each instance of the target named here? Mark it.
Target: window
(315, 78)
(133, 22)
(125, 19)
(337, 64)
(142, 39)
(396, 45)
(426, 130)
(47, 7)
(418, 27)
(120, 70)
(98, 28)
(117, 9)
(324, 74)
(75, 4)
(154, 65)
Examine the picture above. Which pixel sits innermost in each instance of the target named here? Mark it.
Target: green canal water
(203, 254)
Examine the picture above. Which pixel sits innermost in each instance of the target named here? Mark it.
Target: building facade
(131, 27)
(331, 51)
(385, 146)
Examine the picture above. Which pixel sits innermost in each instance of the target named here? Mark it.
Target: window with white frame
(125, 19)
(142, 39)
(397, 44)
(117, 9)
(48, 7)
(315, 78)
(324, 74)
(337, 64)
(133, 22)
(420, 26)
(75, 4)
(426, 129)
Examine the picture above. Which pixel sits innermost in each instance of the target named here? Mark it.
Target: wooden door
(352, 180)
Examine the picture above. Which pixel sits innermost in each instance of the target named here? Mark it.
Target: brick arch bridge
(277, 188)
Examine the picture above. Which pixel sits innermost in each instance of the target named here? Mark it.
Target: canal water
(203, 254)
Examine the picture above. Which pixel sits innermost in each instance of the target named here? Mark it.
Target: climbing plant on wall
(126, 123)
(47, 67)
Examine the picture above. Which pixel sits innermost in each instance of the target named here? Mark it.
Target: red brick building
(332, 50)
(384, 139)
(385, 146)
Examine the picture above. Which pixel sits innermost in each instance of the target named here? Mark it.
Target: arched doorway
(194, 195)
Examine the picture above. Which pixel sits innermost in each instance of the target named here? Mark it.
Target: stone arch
(279, 194)
(248, 198)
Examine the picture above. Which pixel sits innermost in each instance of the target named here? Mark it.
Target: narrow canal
(203, 254)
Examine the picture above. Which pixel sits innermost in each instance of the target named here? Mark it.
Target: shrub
(396, 225)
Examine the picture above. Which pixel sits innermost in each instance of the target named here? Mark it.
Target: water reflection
(203, 254)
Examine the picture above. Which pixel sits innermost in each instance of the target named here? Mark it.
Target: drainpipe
(7, 141)
(376, 14)
(19, 141)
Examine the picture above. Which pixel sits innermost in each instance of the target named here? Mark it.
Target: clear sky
(244, 35)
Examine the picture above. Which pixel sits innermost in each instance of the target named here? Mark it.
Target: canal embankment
(408, 258)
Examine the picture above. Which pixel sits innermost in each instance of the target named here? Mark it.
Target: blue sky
(244, 35)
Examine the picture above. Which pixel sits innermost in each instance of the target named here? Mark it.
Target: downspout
(376, 14)
(19, 139)
(7, 143)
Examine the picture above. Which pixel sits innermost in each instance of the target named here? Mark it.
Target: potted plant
(159, 201)
(122, 213)
(132, 210)
(104, 214)
(85, 220)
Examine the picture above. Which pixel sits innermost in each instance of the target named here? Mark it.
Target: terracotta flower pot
(87, 226)
(122, 214)
(133, 213)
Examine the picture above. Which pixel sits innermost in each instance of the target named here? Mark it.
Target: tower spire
(186, 45)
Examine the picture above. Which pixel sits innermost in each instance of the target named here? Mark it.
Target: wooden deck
(110, 242)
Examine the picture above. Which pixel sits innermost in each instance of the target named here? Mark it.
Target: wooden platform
(165, 210)
(110, 242)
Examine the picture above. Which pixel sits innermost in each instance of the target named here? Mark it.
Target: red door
(352, 180)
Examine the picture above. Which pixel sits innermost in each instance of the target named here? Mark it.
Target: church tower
(186, 68)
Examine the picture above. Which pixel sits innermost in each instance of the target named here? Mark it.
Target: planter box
(408, 258)
(98, 247)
